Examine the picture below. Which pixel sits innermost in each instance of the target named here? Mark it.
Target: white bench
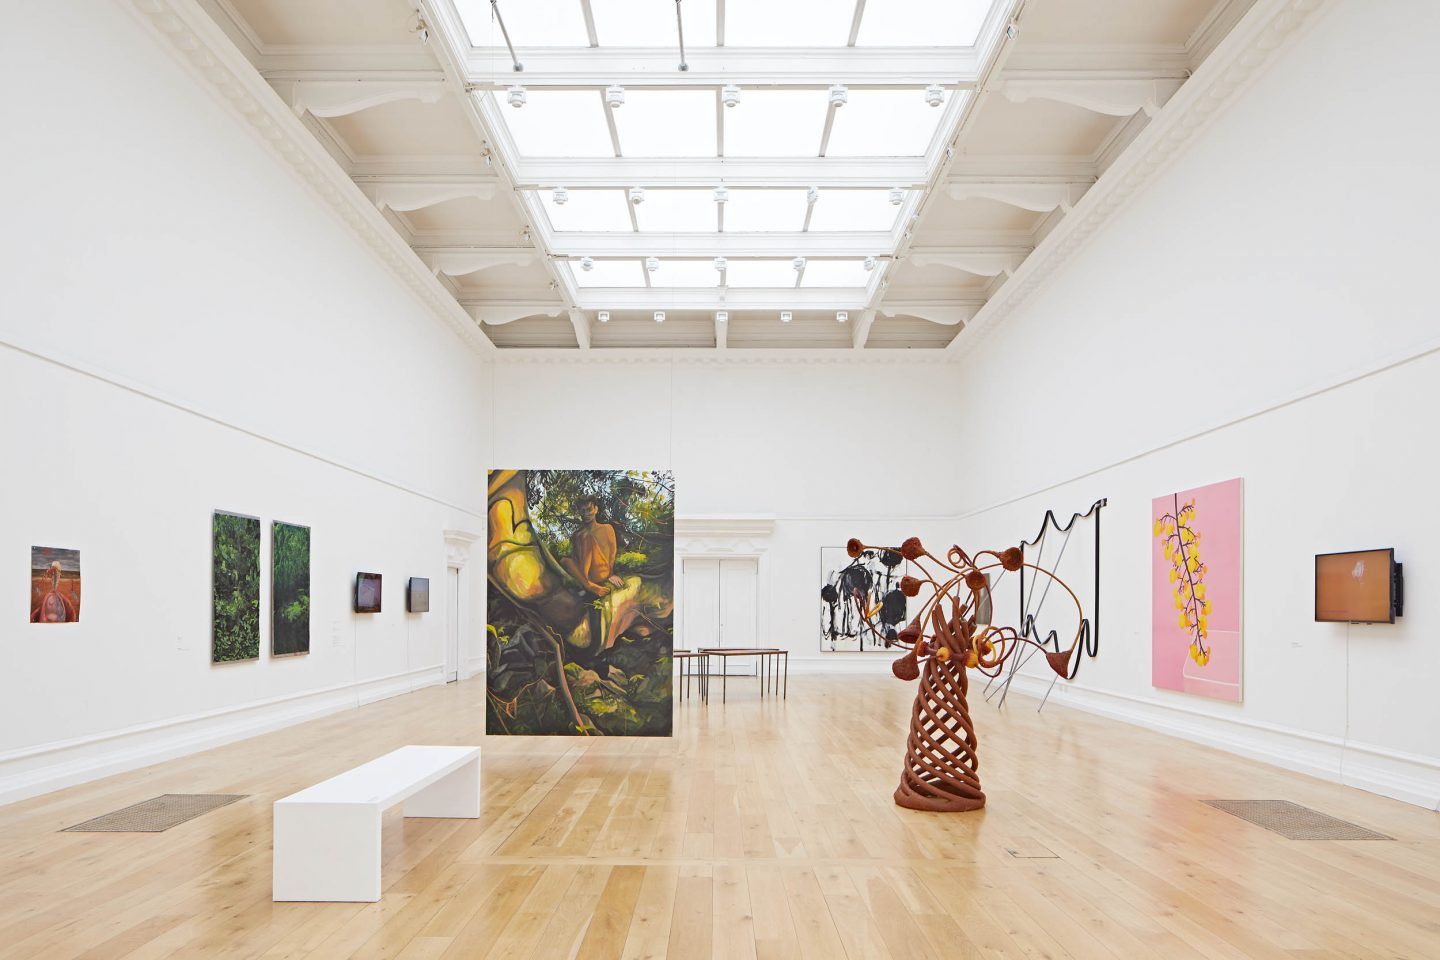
(327, 837)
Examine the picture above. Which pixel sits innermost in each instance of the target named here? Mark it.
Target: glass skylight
(835, 273)
(666, 123)
(630, 23)
(921, 23)
(884, 123)
(589, 210)
(558, 123)
(776, 123)
(685, 273)
(531, 23)
(610, 273)
(760, 273)
(759, 211)
(853, 210)
(677, 211)
(791, 23)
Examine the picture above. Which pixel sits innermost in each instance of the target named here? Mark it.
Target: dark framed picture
(417, 595)
(289, 589)
(367, 593)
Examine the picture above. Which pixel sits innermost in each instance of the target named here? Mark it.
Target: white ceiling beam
(947, 313)
(341, 97)
(460, 261)
(582, 327)
(703, 246)
(860, 334)
(403, 196)
(982, 261)
(1040, 196)
(1112, 96)
(497, 313)
(720, 298)
(706, 172)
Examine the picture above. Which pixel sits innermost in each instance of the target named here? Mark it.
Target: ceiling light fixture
(652, 264)
(839, 95)
(897, 196)
(420, 28)
(812, 194)
(516, 96)
(637, 196)
(730, 94)
(798, 263)
(721, 264)
(842, 316)
(559, 195)
(869, 264)
(587, 264)
(659, 316)
(786, 316)
(614, 96)
(603, 316)
(934, 94)
(722, 193)
(721, 316)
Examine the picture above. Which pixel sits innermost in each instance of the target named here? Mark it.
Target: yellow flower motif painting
(1180, 542)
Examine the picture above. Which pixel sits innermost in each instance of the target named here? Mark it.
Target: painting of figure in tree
(54, 585)
(235, 588)
(581, 602)
(289, 589)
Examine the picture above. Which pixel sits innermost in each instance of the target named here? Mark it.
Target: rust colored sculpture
(944, 643)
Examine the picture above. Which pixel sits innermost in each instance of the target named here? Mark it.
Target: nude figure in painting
(592, 552)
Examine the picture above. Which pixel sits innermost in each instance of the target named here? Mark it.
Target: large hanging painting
(289, 589)
(235, 588)
(1196, 591)
(581, 602)
(858, 594)
(54, 585)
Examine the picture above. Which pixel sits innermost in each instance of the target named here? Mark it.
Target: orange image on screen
(1353, 587)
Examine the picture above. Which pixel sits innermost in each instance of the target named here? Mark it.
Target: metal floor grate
(1295, 822)
(156, 815)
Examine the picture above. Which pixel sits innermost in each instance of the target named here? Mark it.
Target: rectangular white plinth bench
(327, 837)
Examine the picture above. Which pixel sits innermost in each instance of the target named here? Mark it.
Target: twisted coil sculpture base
(941, 765)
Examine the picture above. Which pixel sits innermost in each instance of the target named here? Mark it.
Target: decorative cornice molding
(189, 33)
(1216, 84)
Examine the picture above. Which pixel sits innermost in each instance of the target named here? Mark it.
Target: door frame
(727, 538)
(457, 557)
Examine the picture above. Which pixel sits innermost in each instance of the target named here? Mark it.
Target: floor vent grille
(156, 815)
(1295, 822)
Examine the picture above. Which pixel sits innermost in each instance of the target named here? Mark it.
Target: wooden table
(763, 657)
(684, 658)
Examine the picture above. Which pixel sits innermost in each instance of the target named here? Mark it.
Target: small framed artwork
(367, 593)
(417, 595)
(54, 585)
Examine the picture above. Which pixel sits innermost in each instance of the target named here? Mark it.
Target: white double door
(721, 603)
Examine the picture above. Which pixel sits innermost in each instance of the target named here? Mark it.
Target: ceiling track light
(841, 316)
(420, 28)
(869, 264)
(587, 264)
(730, 94)
(559, 196)
(721, 264)
(722, 315)
(934, 94)
(652, 264)
(786, 316)
(839, 95)
(603, 316)
(897, 196)
(812, 195)
(495, 11)
(637, 196)
(515, 96)
(722, 194)
(798, 263)
(614, 96)
(659, 316)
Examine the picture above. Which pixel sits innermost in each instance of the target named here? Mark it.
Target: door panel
(701, 626)
(739, 579)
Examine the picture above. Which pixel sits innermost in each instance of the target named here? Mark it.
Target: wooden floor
(762, 829)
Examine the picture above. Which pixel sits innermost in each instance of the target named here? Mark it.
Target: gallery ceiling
(827, 174)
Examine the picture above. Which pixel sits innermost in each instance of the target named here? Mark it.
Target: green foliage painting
(235, 588)
(582, 588)
(289, 589)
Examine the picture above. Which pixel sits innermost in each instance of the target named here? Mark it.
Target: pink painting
(1195, 602)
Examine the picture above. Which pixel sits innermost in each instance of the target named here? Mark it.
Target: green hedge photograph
(289, 589)
(235, 588)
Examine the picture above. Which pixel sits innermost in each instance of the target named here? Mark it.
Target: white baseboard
(52, 766)
(1390, 773)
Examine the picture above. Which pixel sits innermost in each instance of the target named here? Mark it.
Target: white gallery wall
(186, 329)
(1264, 309)
(827, 451)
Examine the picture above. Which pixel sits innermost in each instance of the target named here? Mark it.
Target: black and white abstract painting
(853, 589)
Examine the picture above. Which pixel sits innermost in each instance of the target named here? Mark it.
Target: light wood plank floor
(762, 829)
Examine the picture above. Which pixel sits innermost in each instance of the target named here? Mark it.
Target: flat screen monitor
(1360, 586)
(417, 595)
(367, 593)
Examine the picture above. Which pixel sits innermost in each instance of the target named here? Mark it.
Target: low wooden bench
(327, 837)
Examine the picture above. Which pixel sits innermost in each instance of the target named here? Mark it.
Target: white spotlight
(841, 316)
(560, 195)
(722, 194)
(934, 94)
(798, 263)
(721, 316)
(839, 95)
(637, 196)
(721, 264)
(652, 264)
(897, 196)
(516, 96)
(869, 264)
(659, 316)
(603, 316)
(614, 96)
(730, 94)
(812, 194)
(587, 264)
(786, 316)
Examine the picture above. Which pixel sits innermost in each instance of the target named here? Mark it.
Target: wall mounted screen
(1357, 587)
(417, 595)
(367, 593)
